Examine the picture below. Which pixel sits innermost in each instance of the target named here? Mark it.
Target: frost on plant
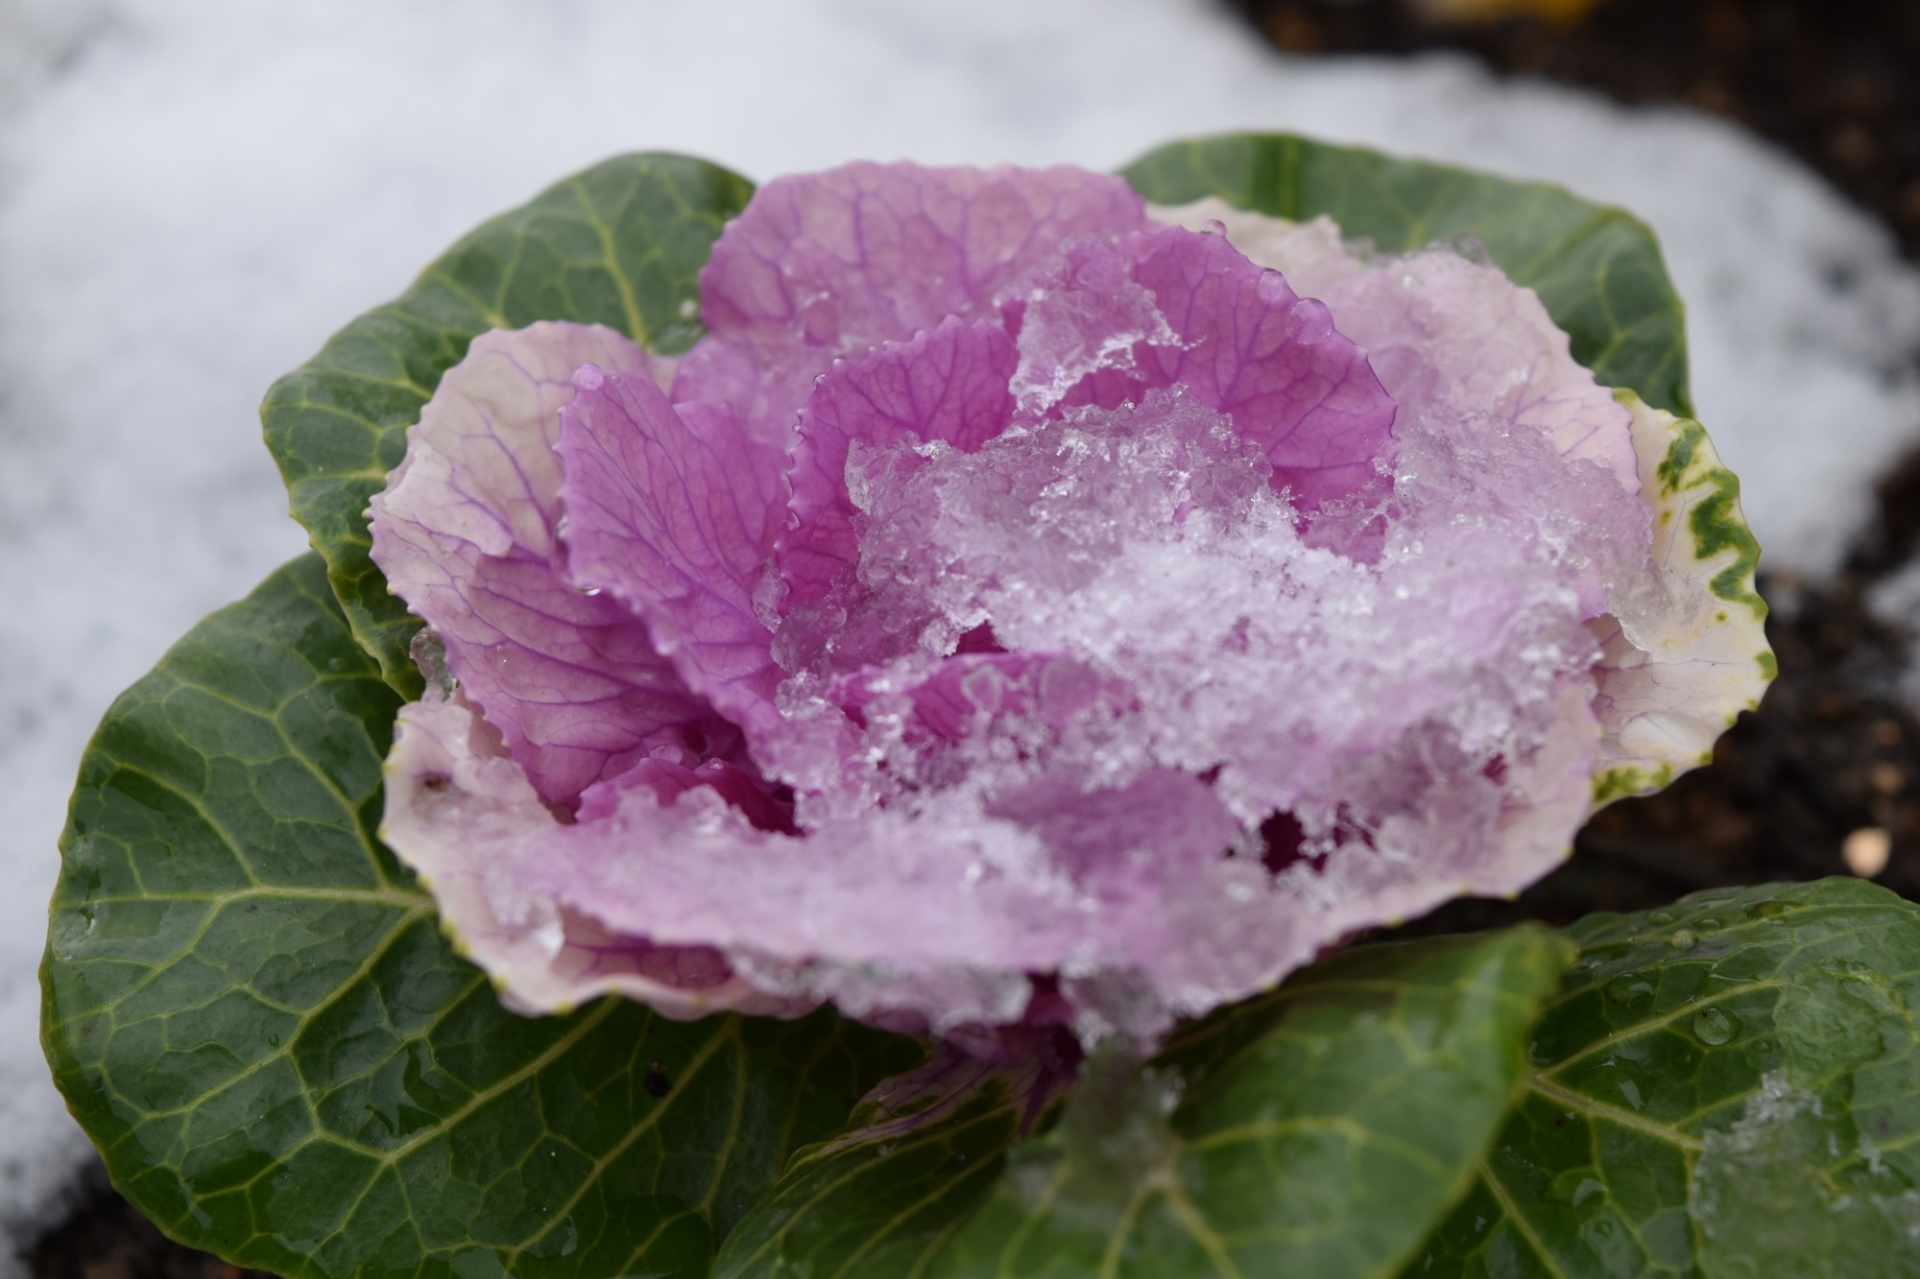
(1754, 1181)
(1025, 606)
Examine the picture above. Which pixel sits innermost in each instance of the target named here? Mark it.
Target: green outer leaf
(1671, 1129)
(250, 1008)
(878, 1200)
(1321, 1130)
(1597, 269)
(621, 244)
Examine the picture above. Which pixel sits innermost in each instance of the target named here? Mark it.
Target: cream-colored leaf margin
(1683, 662)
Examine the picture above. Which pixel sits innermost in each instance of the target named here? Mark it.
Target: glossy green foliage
(1320, 1130)
(1728, 1088)
(879, 1199)
(251, 1010)
(621, 244)
(1598, 270)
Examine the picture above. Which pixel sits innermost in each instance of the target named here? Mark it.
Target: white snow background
(195, 193)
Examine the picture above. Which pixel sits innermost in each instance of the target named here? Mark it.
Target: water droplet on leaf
(1575, 1186)
(1714, 1027)
(1629, 988)
(1683, 939)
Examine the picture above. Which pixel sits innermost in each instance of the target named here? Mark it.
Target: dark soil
(1831, 750)
(1837, 82)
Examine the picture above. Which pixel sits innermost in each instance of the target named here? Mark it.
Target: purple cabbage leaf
(1028, 609)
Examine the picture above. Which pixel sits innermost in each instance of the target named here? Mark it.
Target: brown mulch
(1831, 751)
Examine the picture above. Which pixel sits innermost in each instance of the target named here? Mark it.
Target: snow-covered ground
(193, 193)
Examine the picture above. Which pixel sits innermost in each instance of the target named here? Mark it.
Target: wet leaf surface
(1318, 1130)
(1726, 1087)
(251, 1009)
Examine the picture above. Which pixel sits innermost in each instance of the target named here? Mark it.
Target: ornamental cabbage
(1029, 607)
